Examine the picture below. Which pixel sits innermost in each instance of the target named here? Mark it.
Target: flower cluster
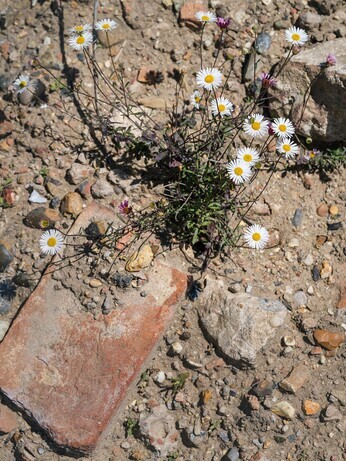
(81, 36)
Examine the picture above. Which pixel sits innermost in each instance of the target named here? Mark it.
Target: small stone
(310, 290)
(188, 12)
(322, 210)
(140, 259)
(78, 173)
(37, 90)
(328, 339)
(113, 37)
(253, 402)
(299, 299)
(331, 413)
(232, 455)
(289, 341)
(102, 189)
(326, 270)
(315, 274)
(298, 217)
(206, 395)
(4, 326)
(284, 409)
(160, 377)
(35, 197)
(96, 229)
(154, 102)
(8, 420)
(84, 188)
(311, 408)
(72, 204)
(342, 301)
(321, 240)
(6, 255)
(95, 283)
(333, 210)
(235, 288)
(296, 379)
(307, 181)
(338, 395)
(42, 218)
(263, 388)
(176, 348)
(262, 43)
(9, 196)
(334, 226)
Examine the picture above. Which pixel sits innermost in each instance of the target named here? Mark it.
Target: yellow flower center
(222, 107)
(247, 158)
(51, 242)
(312, 154)
(238, 171)
(23, 84)
(197, 98)
(286, 147)
(205, 18)
(256, 236)
(79, 28)
(295, 37)
(282, 128)
(209, 79)
(106, 26)
(256, 125)
(80, 40)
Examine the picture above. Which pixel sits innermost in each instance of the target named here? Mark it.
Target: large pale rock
(324, 117)
(239, 325)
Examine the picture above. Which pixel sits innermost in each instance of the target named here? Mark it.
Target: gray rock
(299, 299)
(297, 217)
(158, 430)
(238, 324)
(309, 20)
(331, 413)
(231, 455)
(78, 173)
(262, 43)
(324, 117)
(5, 256)
(102, 189)
(36, 90)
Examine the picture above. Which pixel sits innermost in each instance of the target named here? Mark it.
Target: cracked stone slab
(69, 371)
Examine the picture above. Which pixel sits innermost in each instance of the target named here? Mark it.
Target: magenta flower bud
(223, 23)
(271, 132)
(267, 80)
(330, 60)
(124, 207)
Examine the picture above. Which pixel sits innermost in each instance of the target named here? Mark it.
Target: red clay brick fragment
(69, 371)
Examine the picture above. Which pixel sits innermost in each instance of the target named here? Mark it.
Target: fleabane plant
(212, 152)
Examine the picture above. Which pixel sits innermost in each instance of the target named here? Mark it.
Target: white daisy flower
(105, 24)
(222, 106)
(282, 127)
(248, 155)
(206, 16)
(296, 36)
(256, 126)
(196, 99)
(78, 42)
(287, 147)
(256, 236)
(80, 29)
(51, 242)
(209, 79)
(239, 171)
(21, 83)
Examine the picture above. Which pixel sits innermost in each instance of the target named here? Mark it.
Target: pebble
(176, 348)
(78, 173)
(299, 299)
(322, 210)
(289, 341)
(333, 210)
(315, 274)
(328, 339)
(331, 413)
(284, 409)
(232, 455)
(298, 217)
(72, 204)
(262, 43)
(296, 379)
(95, 283)
(235, 288)
(263, 388)
(326, 270)
(42, 218)
(6, 255)
(311, 408)
(338, 395)
(102, 189)
(160, 377)
(35, 197)
(334, 226)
